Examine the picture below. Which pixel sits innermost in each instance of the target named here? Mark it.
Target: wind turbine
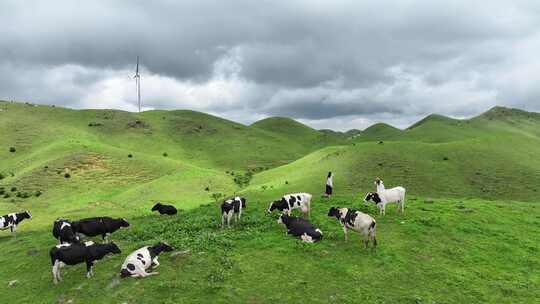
(138, 83)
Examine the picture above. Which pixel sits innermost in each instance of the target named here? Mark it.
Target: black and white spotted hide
(232, 207)
(301, 228)
(63, 232)
(356, 221)
(141, 260)
(12, 220)
(292, 201)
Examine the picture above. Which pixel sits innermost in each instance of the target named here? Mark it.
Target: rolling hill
(474, 240)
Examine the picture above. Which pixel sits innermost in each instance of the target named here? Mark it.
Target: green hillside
(475, 240)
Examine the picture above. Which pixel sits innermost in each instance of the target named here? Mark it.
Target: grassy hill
(477, 242)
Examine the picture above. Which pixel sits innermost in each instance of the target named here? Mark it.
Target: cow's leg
(229, 218)
(14, 231)
(155, 262)
(56, 272)
(346, 232)
(366, 241)
(222, 219)
(89, 271)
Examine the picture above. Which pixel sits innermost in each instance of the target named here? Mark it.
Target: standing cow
(95, 226)
(12, 220)
(357, 221)
(231, 207)
(292, 201)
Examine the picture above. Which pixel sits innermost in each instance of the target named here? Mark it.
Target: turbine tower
(138, 84)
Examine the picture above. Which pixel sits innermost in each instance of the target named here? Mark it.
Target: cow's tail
(124, 273)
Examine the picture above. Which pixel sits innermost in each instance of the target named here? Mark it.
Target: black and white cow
(357, 221)
(387, 196)
(230, 207)
(95, 226)
(12, 220)
(301, 228)
(164, 209)
(292, 201)
(139, 261)
(76, 253)
(63, 232)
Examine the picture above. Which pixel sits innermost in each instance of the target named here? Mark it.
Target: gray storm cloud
(331, 64)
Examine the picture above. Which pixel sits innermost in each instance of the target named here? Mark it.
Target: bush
(165, 154)
(38, 193)
(2, 176)
(130, 155)
(445, 158)
(67, 175)
(2, 191)
(13, 189)
(207, 189)
(12, 149)
(217, 196)
(6, 195)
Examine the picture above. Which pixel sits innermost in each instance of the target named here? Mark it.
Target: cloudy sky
(330, 64)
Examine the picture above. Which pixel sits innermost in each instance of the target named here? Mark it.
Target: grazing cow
(301, 228)
(292, 201)
(73, 254)
(12, 220)
(140, 260)
(164, 209)
(63, 232)
(381, 199)
(357, 221)
(94, 226)
(230, 207)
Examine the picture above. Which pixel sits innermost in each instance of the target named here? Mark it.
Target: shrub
(12, 149)
(207, 189)
(445, 158)
(217, 196)
(13, 189)
(67, 175)
(2, 176)
(2, 191)
(165, 154)
(6, 195)
(286, 182)
(130, 155)
(38, 193)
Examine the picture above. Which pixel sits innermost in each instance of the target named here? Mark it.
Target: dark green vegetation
(477, 242)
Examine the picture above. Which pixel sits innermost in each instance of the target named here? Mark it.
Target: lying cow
(301, 228)
(73, 254)
(292, 201)
(139, 261)
(164, 209)
(63, 232)
(231, 207)
(95, 226)
(357, 221)
(12, 220)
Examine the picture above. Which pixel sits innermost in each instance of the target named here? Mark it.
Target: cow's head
(279, 205)
(124, 223)
(114, 248)
(243, 201)
(372, 196)
(27, 214)
(165, 247)
(156, 206)
(334, 211)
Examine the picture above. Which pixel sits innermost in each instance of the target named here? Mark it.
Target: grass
(477, 242)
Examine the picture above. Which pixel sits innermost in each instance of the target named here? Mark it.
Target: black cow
(12, 220)
(301, 228)
(95, 226)
(63, 232)
(232, 207)
(164, 209)
(73, 254)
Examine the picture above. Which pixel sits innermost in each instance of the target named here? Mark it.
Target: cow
(95, 226)
(139, 261)
(357, 221)
(164, 209)
(12, 220)
(387, 196)
(63, 232)
(292, 201)
(301, 228)
(231, 207)
(76, 253)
